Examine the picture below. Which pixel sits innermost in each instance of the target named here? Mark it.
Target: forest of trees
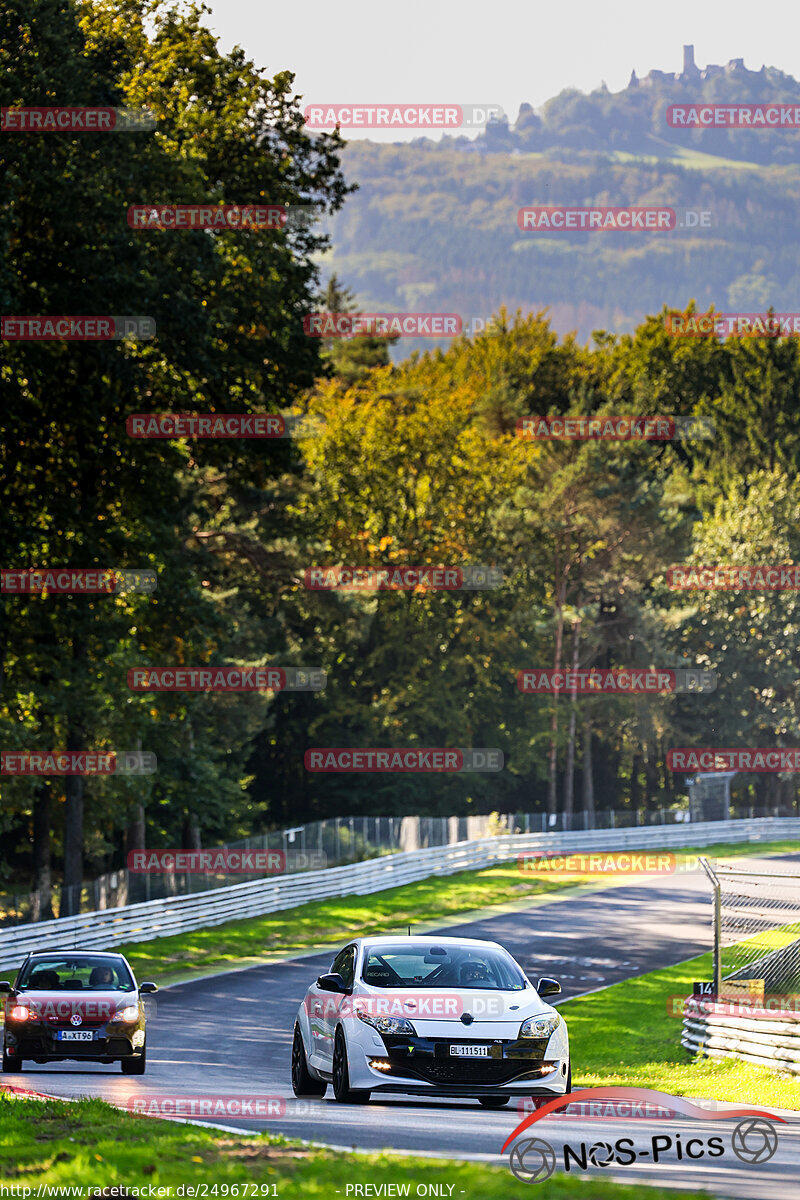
(414, 463)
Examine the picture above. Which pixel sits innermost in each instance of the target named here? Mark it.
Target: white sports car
(429, 1016)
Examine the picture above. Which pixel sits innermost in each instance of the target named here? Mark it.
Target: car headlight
(129, 1014)
(387, 1024)
(19, 1012)
(539, 1027)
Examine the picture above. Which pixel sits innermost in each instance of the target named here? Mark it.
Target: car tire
(569, 1077)
(11, 1064)
(341, 1075)
(303, 1082)
(493, 1101)
(134, 1066)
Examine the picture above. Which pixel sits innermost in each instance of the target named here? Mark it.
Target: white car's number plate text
(469, 1051)
(70, 1035)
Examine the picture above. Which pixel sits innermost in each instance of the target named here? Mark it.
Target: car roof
(75, 950)
(431, 940)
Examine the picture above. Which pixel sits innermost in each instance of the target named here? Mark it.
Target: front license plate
(74, 1035)
(469, 1051)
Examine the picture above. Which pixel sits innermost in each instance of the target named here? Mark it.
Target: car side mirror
(333, 983)
(5, 987)
(146, 988)
(548, 987)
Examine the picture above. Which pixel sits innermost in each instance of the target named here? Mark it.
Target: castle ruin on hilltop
(691, 72)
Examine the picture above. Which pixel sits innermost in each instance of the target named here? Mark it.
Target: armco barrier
(180, 914)
(773, 1043)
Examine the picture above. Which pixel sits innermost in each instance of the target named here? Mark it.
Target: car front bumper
(36, 1041)
(425, 1065)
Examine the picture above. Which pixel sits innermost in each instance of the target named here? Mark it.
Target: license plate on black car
(74, 1035)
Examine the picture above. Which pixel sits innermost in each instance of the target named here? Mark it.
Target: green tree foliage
(415, 464)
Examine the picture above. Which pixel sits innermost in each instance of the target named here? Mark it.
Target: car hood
(57, 1006)
(450, 1004)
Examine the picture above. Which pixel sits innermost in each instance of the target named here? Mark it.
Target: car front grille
(33, 1047)
(430, 1059)
(474, 1070)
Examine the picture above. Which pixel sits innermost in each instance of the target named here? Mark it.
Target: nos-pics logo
(754, 1139)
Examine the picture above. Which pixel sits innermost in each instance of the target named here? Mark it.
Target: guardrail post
(715, 883)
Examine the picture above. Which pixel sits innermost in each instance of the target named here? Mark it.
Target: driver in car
(101, 977)
(474, 972)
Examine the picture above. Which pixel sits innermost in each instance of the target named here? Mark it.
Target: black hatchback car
(75, 1004)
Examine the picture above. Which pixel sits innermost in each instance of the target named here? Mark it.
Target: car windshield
(64, 973)
(391, 966)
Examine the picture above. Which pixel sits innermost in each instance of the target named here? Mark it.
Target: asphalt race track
(231, 1035)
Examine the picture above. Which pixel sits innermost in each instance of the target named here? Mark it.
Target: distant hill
(434, 224)
(634, 120)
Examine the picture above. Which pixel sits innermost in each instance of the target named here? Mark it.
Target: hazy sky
(500, 52)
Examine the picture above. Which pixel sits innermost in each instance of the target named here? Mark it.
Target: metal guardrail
(756, 939)
(338, 840)
(773, 1043)
(182, 914)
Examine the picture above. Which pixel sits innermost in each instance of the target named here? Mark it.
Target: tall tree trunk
(552, 766)
(42, 851)
(191, 832)
(135, 833)
(135, 839)
(636, 781)
(569, 773)
(667, 780)
(588, 775)
(73, 836)
(73, 808)
(653, 797)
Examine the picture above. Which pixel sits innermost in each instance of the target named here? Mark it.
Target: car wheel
(134, 1066)
(11, 1064)
(493, 1101)
(303, 1082)
(569, 1076)
(341, 1075)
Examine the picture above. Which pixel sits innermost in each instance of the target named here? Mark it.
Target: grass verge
(89, 1143)
(623, 1035)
